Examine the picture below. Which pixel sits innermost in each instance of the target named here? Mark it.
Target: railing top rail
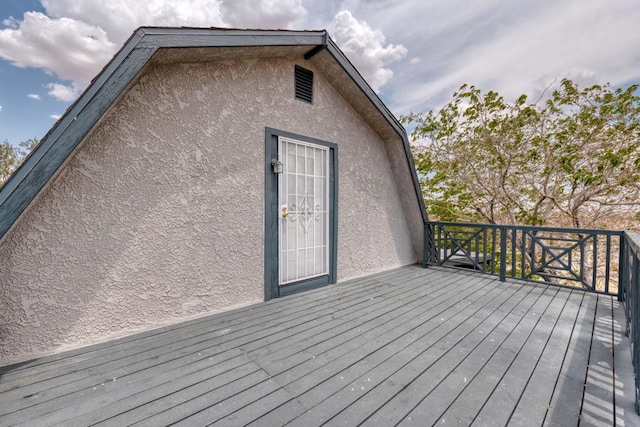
(534, 228)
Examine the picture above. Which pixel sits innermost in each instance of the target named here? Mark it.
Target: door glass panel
(300, 158)
(291, 185)
(303, 219)
(300, 181)
(325, 171)
(310, 160)
(290, 159)
(319, 184)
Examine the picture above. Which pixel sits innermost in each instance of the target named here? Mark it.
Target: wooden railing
(629, 294)
(601, 261)
(588, 259)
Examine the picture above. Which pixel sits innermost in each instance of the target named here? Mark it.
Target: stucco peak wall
(159, 215)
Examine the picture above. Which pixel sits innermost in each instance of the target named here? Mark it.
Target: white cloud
(118, 18)
(34, 96)
(512, 47)
(70, 49)
(74, 39)
(55, 116)
(364, 46)
(1, 107)
(63, 92)
(263, 14)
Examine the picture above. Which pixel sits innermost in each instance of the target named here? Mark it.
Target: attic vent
(304, 84)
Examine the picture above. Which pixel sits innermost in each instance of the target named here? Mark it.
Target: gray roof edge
(388, 115)
(37, 170)
(67, 118)
(134, 41)
(360, 81)
(150, 39)
(185, 37)
(216, 31)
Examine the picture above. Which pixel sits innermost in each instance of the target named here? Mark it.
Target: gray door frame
(272, 288)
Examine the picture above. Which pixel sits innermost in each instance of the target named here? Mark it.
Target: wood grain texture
(409, 346)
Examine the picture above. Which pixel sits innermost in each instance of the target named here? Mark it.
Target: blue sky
(415, 53)
(23, 117)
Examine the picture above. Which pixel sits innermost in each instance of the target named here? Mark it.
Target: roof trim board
(60, 142)
(361, 82)
(192, 37)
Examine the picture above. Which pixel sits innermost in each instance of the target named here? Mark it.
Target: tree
(12, 157)
(572, 160)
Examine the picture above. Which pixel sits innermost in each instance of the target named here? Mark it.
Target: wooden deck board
(359, 399)
(502, 403)
(411, 346)
(255, 314)
(146, 402)
(624, 380)
(437, 386)
(145, 345)
(214, 349)
(535, 399)
(470, 401)
(566, 400)
(386, 308)
(171, 353)
(107, 400)
(328, 378)
(379, 337)
(597, 403)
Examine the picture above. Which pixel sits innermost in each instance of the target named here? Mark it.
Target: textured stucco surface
(395, 150)
(158, 216)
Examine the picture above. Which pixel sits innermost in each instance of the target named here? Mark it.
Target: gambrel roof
(149, 44)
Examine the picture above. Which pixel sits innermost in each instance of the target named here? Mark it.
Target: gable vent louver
(304, 84)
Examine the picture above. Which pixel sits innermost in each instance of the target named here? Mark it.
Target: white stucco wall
(158, 216)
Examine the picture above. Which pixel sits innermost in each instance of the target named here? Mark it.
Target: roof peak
(67, 133)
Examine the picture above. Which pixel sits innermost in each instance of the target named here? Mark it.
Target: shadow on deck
(410, 346)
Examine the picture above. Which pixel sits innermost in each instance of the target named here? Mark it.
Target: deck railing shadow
(600, 261)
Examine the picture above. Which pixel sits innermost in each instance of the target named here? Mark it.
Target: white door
(303, 196)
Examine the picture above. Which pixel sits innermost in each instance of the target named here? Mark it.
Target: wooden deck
(410, 346)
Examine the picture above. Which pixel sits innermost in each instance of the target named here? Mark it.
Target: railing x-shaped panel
(558, 256)
(551, 261)
(461, 245)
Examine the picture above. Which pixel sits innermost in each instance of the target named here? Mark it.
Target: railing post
(635, 332)
(503, 254)
(594, 267)
(429, 245)
(622, 268)
(425, 243)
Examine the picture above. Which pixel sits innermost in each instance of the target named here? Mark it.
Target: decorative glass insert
(303, 191)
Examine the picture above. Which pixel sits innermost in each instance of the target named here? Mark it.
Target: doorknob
(285, 211)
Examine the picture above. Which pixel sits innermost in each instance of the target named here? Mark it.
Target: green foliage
(571, 161)
(8, 160)
(12, 157)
